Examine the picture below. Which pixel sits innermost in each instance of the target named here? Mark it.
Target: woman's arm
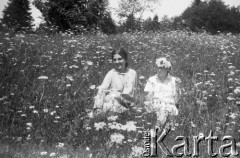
(106, 82)
(101, 94)
(177, 89)
(149, 90)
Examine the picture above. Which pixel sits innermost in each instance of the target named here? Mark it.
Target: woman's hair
(123, 53)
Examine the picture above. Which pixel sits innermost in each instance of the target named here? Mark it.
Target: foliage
(75, 15)
(151, 24)
(17, 16)
(48, 84)
(166, 24)
(43, 28)
(108, 26)
(134, 7)
(130, 25)
(198, 14)
(212, 16)
(130, 13)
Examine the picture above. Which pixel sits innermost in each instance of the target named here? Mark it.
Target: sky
(170, 8)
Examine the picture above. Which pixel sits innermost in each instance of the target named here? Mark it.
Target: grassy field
(48, 83)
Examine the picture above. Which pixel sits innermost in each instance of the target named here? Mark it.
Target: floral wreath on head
(164, 62)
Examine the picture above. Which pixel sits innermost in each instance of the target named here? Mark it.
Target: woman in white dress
(118, 88)
(163, 90)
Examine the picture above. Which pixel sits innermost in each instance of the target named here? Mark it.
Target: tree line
(212, 16)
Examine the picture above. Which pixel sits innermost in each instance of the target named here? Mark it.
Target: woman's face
(162, 72)
(119, 63)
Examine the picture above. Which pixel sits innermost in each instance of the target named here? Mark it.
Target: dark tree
(72, 14)
(165, 23)
(218, 19)
(108, 26)
(96, 10)
(17, 16)
(151, 24)
(131, 24)
(148, 24)
(156, 23)
(196, 2)
(213, 16)
(234, 19)
(196, 15)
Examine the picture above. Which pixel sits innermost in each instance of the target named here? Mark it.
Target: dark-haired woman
(118, 87)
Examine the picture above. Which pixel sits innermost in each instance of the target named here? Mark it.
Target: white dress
(113, 85)
(164, 96)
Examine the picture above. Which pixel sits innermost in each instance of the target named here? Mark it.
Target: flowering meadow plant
(48, 84)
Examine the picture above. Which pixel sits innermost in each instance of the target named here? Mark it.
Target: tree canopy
(213, 16)
(17, 16)
(74, 14)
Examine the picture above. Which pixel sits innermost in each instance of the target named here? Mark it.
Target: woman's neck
(122, 70)
(162, 78)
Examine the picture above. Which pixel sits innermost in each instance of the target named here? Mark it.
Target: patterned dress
(163, 96)
(113, 85)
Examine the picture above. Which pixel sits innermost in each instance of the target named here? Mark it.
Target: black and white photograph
(119, 78)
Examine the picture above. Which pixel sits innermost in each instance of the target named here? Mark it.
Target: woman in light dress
(118, 89)
(163, 92)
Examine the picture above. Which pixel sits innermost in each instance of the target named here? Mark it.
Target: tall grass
(48, 84)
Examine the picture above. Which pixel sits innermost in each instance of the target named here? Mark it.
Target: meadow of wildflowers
(48, 83)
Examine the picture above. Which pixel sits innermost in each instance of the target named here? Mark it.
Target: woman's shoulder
(152, 78)
(177, 80)
(132, 71)
(112, 71)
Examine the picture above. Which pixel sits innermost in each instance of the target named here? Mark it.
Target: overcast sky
(165, 7)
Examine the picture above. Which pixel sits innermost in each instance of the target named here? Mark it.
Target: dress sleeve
(177, 88)
(149, 86)
(106, 82)
(178, 84)
(104, 86)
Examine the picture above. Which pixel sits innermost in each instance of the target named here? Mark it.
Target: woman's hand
(98, 111)
(126, 101)
(150, 96)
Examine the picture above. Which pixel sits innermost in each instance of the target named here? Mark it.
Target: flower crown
(163, 62)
